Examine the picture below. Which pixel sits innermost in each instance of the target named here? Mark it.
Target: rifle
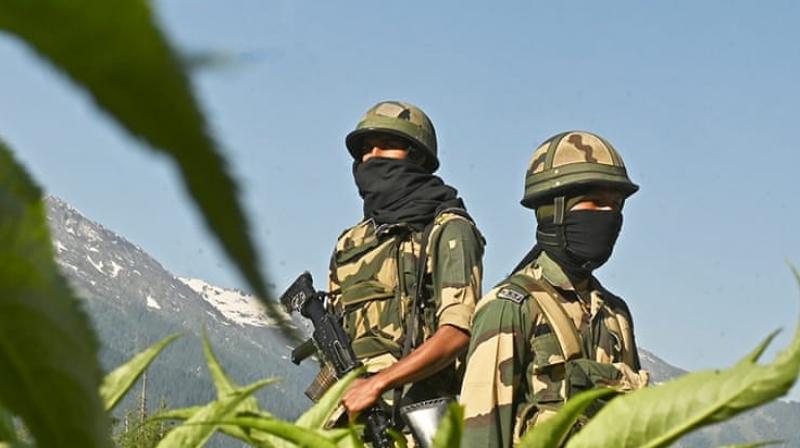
(331, 341)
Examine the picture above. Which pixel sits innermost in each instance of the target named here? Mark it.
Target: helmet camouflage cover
(575, 159)
(401, 119)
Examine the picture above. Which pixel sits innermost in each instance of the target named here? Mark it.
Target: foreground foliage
(49, 375)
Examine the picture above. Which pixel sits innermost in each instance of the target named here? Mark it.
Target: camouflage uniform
(373, 280)
(374, 268)
(537, 338)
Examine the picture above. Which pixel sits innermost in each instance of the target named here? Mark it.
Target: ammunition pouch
(323, 381)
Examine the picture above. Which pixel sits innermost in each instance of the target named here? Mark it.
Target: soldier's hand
(363, 393)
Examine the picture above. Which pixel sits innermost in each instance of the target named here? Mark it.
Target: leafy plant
(247, 422)
(49, 374)
(117, 54)
(118, 382)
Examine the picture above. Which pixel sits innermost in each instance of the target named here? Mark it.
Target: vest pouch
(365, 291)
(355, 247)
(547, 370)
(584, 374)
(373, 318)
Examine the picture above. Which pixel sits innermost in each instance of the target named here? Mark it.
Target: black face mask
(401, 191)
(586, 243)
(591, 235)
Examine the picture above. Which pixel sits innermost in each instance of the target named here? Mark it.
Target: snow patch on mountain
(115, 268)
(238, 307)
(60, 247)
(97, 264)
(151, 302)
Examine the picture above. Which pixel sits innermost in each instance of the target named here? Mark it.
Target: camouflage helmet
(572, 160)
(401, 119)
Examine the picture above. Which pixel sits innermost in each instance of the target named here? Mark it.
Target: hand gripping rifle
(330, 339)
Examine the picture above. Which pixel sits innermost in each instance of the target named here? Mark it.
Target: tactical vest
(373, 280)
(563, 360)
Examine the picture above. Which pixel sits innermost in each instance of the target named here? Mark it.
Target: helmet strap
(559, 204)
(558, 239)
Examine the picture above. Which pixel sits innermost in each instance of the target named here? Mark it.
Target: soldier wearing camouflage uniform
(550, 330)
(376, 269)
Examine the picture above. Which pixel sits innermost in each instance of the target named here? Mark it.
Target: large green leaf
(114, 50)
(321, 412)
(49, 374)
(293, 433)
(222, 383)
(353, 439)
(450, 428)
(117, 383)
(188, 413)
(7, 431)
(754, 445)
(554, 431)
(201, 426)
(657, 416)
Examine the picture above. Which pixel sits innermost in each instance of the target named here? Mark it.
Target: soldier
(550, 329)
(407, 277)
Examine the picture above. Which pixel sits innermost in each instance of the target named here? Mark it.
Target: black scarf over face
(401, 191)
(589, 238)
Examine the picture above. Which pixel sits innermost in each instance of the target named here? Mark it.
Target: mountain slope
(135, 302)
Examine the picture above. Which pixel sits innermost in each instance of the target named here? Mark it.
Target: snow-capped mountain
(238, 307)
(134, 301)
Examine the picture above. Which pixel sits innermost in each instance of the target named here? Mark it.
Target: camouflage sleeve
(333, 281)
(637, 364)
(495, 366)
(458, 273)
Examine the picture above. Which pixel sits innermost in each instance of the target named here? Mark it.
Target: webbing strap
(627, 344)
(560, 322)
(411, 324)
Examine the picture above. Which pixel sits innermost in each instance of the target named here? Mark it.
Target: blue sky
(699, 97)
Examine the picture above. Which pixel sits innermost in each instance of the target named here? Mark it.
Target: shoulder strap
(622, 320)
(411, 324)
(560, 322)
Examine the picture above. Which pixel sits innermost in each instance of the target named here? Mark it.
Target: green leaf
(117, 383)
(451, 427)
(320, 413)
(658, 416)
(754, 445)
(254, 437)
(290, 432)
(553, 431)
(335, 434)
(354, 439)
(201, 426)
(115, 51)
(7, 431)
(14, 445)
(222, 382)
(225, 386)
(397, 436)
(178, 414)
(189, 412)
(49, 374)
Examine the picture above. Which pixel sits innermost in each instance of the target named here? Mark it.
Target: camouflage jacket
(535, 342)
(373, 277)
